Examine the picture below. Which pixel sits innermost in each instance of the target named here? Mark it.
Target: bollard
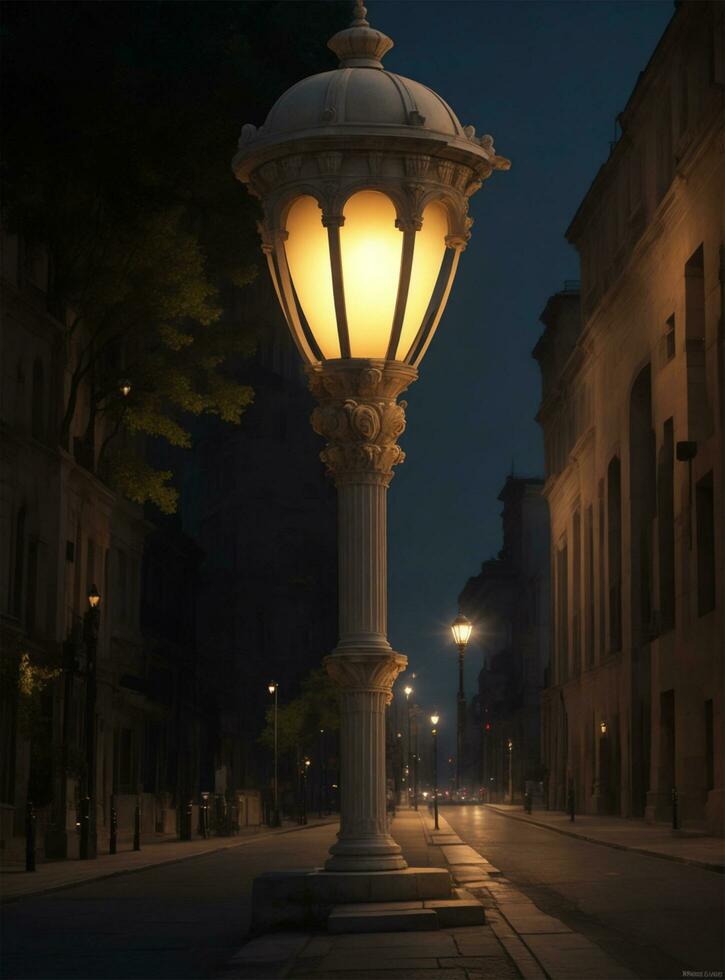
(571, 803)
(186, 821)
(29, 837)
(527, 802)
(137, 828)
(113, 843)
(674, 808)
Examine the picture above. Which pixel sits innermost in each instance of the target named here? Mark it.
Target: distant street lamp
(91, 624)
(272, 688)
(364, 180)
(511, 781)
(434, 719)
(408, 691)
(124, 387)
(461, 629)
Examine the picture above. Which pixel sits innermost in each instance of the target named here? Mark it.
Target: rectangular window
(126, 775)
(602, 574)
(709, 747)
(576, 594)
(670, 338)
(705, 512)
(589, 575)
(614, 528)
(562, 624)
(666, 526)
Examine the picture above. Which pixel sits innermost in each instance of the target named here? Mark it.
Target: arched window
(38, 400)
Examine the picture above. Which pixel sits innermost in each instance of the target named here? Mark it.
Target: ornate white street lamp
(364, 179)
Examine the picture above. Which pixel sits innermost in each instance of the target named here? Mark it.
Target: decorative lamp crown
(359, 46)
(365, 179)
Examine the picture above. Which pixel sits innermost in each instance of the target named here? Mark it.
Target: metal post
(511, 781)
(461, 721)
(321, 780)
(275, 817)
(674, 808)
(137, 827)
(415, 766)
(88, 845)
(571, 802)
(29, 837)
(408, 779)
(113, 843)
(435, 777)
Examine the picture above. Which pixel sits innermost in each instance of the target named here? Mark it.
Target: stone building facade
(508, 602)
(633, 415)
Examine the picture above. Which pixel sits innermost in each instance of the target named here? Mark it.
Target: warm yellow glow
(407, 691)
(461, 629)
(371, 248)
(434, 719)
(94, 599)
(271, 687)
(308, 256)
(430, 247)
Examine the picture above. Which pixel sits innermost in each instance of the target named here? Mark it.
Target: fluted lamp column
(364, 179)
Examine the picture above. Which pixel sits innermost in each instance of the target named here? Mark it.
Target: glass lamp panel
(308, 257)
(461, 629)
(371, 248)
(430, 247)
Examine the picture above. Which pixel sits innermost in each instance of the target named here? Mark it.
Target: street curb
(157, 864)
(705, 865)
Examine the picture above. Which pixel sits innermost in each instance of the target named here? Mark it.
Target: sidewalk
(16, 883)
(655, 840)
(518, 939)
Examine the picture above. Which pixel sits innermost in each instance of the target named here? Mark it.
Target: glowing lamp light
(603, 727)
(94, 598)
(272, 687)
(338, 312)
(434, 719)
(124, 387)
(461, 627)
(407, 691)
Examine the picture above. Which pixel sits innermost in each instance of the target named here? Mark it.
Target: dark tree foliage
(119, 124)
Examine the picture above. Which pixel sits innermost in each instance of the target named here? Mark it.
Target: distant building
(508, 602)
(62, 530)
(256, 499)
(633, 414)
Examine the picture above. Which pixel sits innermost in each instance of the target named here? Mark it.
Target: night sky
(547, 80)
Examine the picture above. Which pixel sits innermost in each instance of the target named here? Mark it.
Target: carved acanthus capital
(360, 417)
(365, 672)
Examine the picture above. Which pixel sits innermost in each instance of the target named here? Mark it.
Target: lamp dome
(364, 178)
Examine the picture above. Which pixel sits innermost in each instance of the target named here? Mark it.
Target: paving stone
(461, 854)
(316, 947)
(458, 912)
(572, 957)
(382, 920)
(442, 942)
(402, 974)
(271, 949)
(526, 923)
(377, 961)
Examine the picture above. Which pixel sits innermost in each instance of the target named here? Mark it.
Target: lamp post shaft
(276, 760)
(435, 778)
(461, 720)
(410, 757)
(88, 842)
(361, 419)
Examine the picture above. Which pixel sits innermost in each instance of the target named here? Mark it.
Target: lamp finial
(359, 15)
(359, 46)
